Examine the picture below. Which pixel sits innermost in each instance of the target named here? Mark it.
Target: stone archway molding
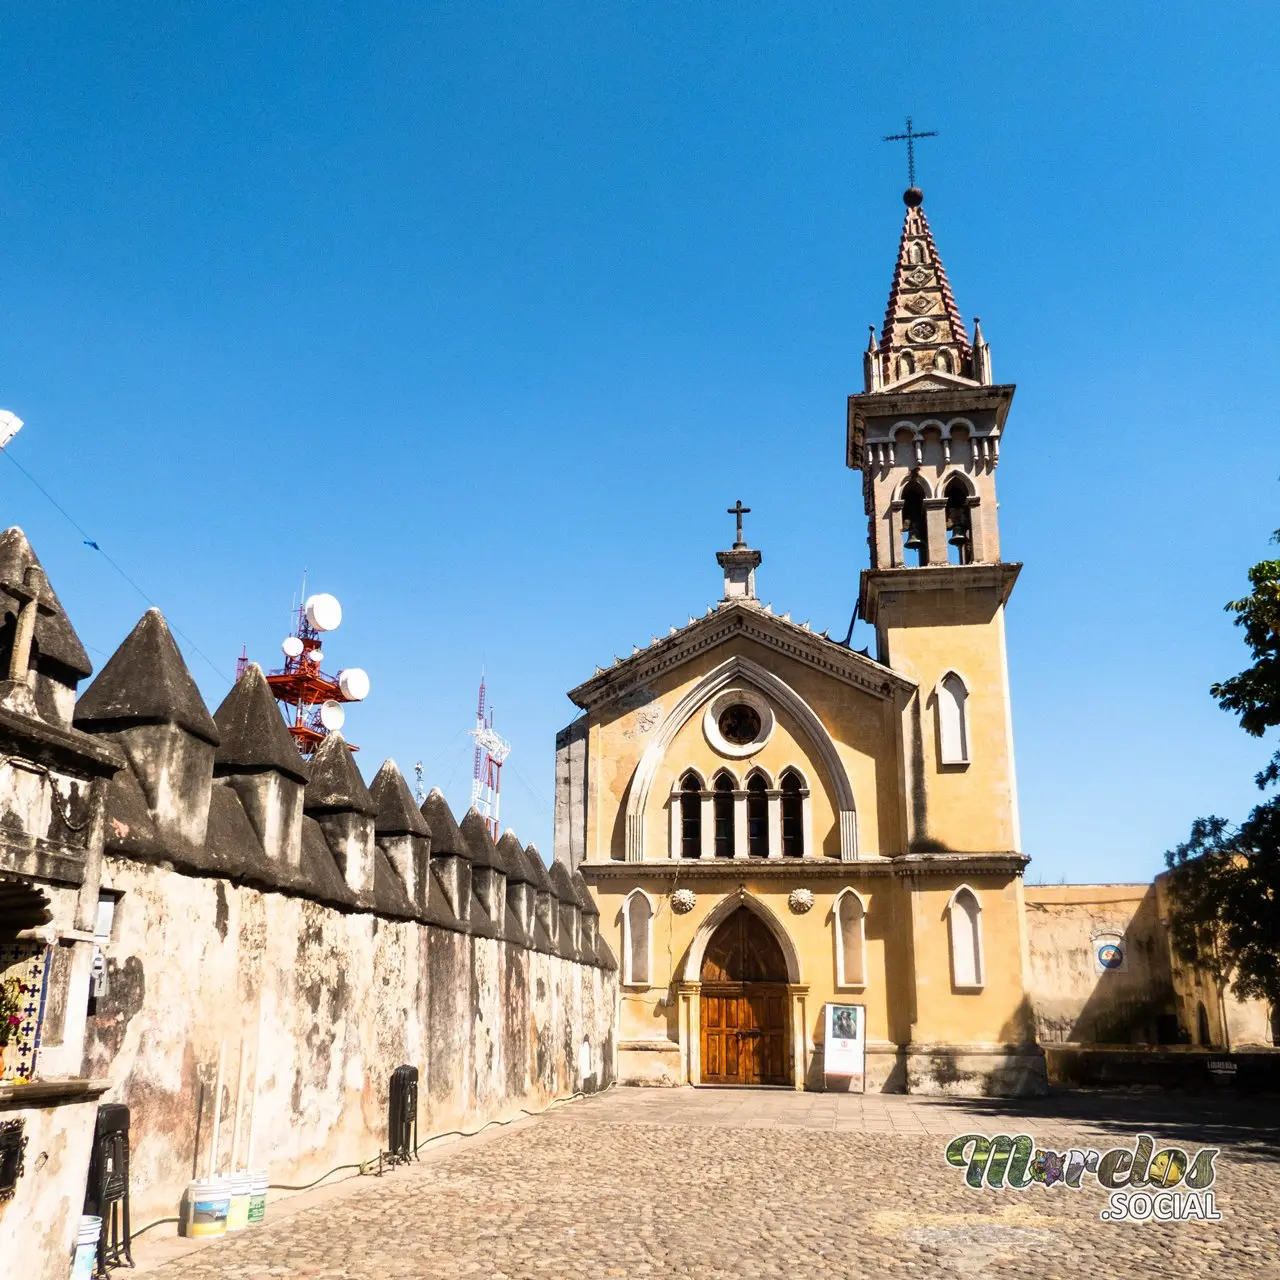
(692, 971)
(748, 672)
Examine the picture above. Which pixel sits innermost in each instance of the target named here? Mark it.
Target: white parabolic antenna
(332, 715)
(317, 657)
(354, 683)
(10, 425)
(323, 612)
(292, 647)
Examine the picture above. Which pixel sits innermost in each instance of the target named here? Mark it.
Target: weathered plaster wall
(1071, 1000)
(38, 1226)
(328, 1002)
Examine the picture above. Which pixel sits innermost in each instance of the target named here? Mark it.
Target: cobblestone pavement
(720, 1183)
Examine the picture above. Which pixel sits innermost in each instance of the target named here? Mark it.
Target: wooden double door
(744, 1003)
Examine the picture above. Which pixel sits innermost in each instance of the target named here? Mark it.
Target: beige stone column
(690, 1020)
(677, 832)
(775, 824)
(739, 824)
(708, 849)
(935, 521)
(801, 1049)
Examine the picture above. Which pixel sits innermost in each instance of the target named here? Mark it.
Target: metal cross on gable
(739, 510)
(910, 139)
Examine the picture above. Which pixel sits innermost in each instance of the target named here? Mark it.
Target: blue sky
(484, 313)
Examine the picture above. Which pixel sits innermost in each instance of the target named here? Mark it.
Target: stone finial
(538, 875)
(511, 851)
(487, 871)
(402, 833)
(336, 784)
(257, 759)
(145, 701)
(251, 733)
(396, 812)
(338, 800)
(146, 682)
(57, 657)
(450, 855)
(475, 832)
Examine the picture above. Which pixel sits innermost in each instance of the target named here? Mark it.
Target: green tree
(1224, 890)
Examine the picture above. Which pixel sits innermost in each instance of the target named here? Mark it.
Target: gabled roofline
(733, 618)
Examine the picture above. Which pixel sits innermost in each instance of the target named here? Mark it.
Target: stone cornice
(936, 577)
(736, 618)
(737, 869)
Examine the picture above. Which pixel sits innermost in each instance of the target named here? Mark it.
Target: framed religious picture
(845, 1046)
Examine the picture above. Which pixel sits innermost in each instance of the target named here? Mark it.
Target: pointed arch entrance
(745, 1004)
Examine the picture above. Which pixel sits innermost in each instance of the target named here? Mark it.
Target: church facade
(771, 822)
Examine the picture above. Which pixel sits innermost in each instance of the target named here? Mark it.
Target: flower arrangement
(11, 997)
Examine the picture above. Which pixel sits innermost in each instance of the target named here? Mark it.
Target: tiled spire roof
(922, 326)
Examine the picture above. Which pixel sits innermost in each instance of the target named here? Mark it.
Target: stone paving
(751, 1183)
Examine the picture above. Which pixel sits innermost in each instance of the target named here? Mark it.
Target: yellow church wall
(1000, 1012)
(862, 726)
(907, 955)
(967, 807)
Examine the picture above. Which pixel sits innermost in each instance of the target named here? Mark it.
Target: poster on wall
(845, 1049)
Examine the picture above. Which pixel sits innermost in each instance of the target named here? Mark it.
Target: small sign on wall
(1110, 955)
(845, 1047)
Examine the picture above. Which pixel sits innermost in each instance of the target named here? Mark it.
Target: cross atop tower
(910, 139)
(739, 510)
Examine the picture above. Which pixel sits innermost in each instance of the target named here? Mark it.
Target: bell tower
(925, 432)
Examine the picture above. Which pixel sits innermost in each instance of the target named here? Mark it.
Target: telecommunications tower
(486, 776)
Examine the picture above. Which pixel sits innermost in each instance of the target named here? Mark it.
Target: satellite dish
(292, 647)
(317, 657)
(354, 684)
(323, 612)
(10, 425)
(332, 715)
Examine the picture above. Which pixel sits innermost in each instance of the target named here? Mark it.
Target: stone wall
(327, 1004)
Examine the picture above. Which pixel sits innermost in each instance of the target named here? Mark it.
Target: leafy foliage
(1225, 888)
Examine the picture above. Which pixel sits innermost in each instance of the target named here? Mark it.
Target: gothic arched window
(965, 918)
(906, 365)
(722, 807)
(916, 253)
(959, 523)
(757, 817)
(850, 925)
(691, 816)
(915, 538)
(637, 939)
(942, 362)
(953, 720)
(1202, 1023)
(792, 816)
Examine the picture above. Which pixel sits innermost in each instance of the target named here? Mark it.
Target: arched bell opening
(959, 522)
(915, 535)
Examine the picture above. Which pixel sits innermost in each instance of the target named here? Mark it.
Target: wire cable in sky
(91, 543)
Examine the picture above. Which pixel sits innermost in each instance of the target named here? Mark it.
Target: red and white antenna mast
(486, 774)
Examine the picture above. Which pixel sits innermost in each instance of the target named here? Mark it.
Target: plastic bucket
(86, 1255)
(205, 1210)
(258, 1197)
(238, 1207)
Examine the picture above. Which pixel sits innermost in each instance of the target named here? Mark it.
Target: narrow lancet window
(637, 920)
(953, 719)
(792, 816)
(723, 809)
(966, 939)
(850, 940)
(757, 817)
(915, 541)
(691, 816)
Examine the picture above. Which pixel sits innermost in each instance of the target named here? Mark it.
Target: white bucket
(205, 1208)
(258, 1197)
(86, 1255)
(238, 1208)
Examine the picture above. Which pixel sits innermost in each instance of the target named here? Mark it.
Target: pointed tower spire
(923, 331)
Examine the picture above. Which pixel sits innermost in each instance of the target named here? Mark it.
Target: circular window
(738, 722)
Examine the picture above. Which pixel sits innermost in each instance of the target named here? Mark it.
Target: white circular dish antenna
(10, 425)
(317, 657)
(354, 684)
(332, 715)
(292, 647)
(323, 612)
